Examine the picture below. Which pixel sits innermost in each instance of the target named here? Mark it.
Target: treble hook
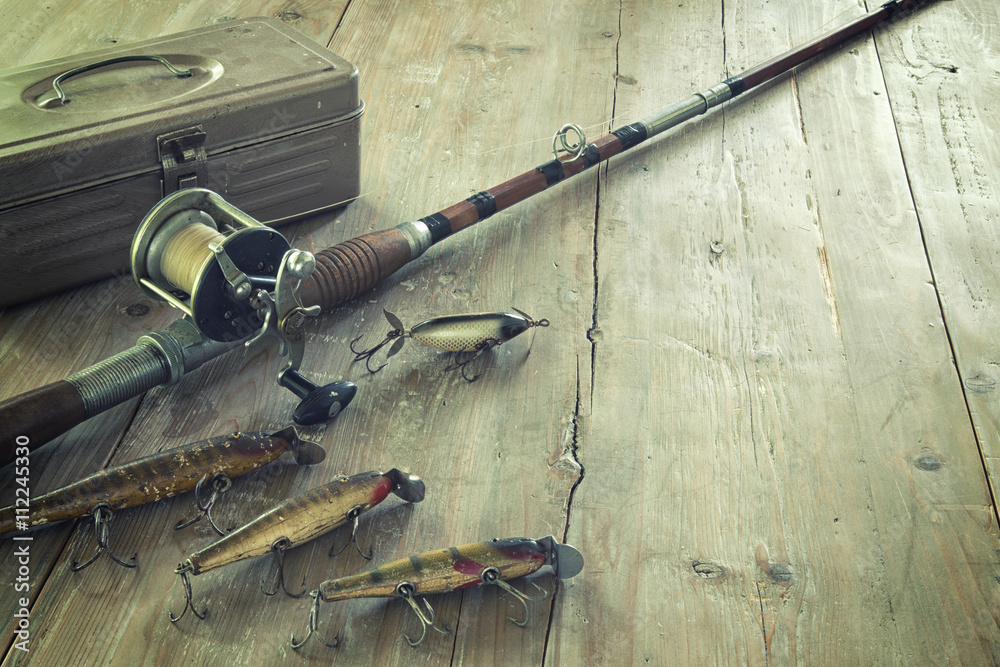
(184, 569)
(398, 334)
(405, 590)
(220, 484)
(278, 548)
(366, 355)
(459, 364)
(103, 514)
(355, 514)
(314, 627)
(491, 575)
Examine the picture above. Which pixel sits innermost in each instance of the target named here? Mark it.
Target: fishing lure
(458, 334)
(296, 521)
(158, 476)
(445, 570)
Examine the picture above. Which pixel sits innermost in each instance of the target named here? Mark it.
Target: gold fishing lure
(494, 562)
(468, 335)
(155, 477)
(296, 521)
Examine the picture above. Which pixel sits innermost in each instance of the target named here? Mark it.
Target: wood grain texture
(764, 409)
(800, 388)
(943, 90)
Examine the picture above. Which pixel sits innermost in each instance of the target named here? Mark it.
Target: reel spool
(234, 279)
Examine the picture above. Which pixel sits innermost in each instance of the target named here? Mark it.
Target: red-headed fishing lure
(298, 520)
(466, 336)
(155, 477)
(451, 569)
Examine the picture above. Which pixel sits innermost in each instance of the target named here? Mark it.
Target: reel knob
(319, 404)
(301, 264)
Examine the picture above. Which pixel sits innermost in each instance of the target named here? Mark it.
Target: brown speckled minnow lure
(466, 336)
(155, 477)
(298, 520)
(451, 569)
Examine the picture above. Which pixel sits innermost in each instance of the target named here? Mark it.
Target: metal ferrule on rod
(160, 358)
(418, 235)
(693, 106)
(121, 377)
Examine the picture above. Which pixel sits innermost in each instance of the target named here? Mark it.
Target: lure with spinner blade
(470, 335)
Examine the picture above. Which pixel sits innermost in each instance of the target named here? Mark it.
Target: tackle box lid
(250, 80)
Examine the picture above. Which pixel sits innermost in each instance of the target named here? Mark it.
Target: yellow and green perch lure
(445, 570)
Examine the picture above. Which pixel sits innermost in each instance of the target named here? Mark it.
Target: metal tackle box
(251, 109)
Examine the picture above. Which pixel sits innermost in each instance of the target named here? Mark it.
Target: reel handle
(319, 404)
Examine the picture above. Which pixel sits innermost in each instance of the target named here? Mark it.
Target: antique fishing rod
(351, 268)
(238, 281)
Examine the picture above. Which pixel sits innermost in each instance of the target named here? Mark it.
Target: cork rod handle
(353, 267)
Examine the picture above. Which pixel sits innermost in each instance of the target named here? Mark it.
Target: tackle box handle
(181, 73)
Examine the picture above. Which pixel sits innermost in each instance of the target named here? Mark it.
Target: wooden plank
(502, 442)
(446, 123)
(895, 315)
(760, 477)
(745, 411)
(940, 76)
(41, 342)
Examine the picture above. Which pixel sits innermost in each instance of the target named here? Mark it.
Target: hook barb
(406, 591)
(279, 547)
(355, 514)
(184, 570)
(220, 484)
(103, 514)
(314, 627)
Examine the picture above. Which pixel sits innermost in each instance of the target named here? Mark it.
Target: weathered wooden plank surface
(497, 443)
(947, 118)
(47, 340)
(803, 463)
(745, 412)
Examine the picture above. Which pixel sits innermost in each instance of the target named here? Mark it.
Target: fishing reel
(234, 279)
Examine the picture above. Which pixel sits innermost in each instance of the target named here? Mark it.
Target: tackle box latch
(182, 154)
